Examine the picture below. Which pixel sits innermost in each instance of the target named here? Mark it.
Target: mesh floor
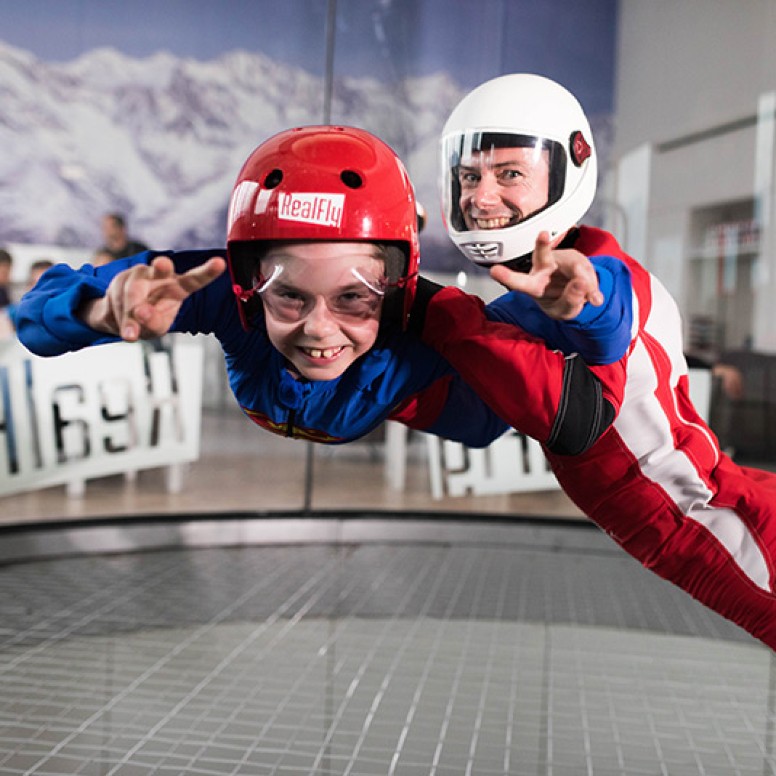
(556, 654)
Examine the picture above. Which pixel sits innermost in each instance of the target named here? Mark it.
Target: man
(519, 165)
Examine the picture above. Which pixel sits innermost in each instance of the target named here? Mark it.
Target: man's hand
(561, 281)
(142, 301)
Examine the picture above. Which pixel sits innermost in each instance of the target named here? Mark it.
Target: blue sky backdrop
(568, 40)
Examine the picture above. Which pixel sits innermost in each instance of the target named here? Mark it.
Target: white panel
(95, 413)
(511, 464)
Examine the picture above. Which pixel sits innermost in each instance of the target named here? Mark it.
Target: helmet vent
(351, 179)
(273, 179)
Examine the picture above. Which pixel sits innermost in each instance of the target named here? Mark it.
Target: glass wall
(148, 110)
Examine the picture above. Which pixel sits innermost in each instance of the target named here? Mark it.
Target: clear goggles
(355, 296)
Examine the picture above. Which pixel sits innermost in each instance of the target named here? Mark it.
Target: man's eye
(508, 177)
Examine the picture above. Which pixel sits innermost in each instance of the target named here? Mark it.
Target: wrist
(91, 312)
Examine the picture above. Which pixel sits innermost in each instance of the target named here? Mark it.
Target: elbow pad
(584, 414)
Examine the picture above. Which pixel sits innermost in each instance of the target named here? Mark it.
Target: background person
(6, 265)
(117, 244)
(35, 272)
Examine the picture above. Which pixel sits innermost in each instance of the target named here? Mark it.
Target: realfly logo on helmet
(323, 209)
(309, 208)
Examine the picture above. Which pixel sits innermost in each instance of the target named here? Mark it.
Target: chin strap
(520, 264)
(524, 263)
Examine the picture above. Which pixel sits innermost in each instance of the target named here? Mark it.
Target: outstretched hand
(141, 302)
(561, 281)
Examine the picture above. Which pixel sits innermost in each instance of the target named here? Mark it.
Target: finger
(596, 298)
(543, 259)
(533, 285)
(130, 330)
(572, 299)
(129, 289)
(587, 281)
(141, 279)
(200, 276)
(584, 282)
(112, 313)
(161, 268)
(178, 287)
(574, 265)
(154, 320)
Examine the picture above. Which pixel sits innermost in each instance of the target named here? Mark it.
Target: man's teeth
(492, 223)
(322, 353)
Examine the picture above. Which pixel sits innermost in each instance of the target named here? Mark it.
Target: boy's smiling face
(322, 304)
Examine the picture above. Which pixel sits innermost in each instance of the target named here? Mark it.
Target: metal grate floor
(556, 654)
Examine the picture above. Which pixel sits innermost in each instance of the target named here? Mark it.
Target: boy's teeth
(318, 353)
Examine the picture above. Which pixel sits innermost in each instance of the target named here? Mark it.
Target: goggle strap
(403, 281)
(260, 285)
(243, 294)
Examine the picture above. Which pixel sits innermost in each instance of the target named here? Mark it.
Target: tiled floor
(524, 648)
(554, 654)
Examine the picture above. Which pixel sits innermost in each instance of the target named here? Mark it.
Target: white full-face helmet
(547, 125)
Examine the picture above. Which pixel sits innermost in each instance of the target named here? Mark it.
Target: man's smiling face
(503, 186)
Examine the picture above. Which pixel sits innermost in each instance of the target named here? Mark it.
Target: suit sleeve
(47, 316)
(47, 321)
(600, 335)
(540, 392)
(449, 408)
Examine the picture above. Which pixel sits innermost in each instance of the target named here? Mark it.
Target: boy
(322, 251)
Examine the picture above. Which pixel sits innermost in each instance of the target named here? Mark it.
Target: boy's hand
(561, 281)
(142, 301)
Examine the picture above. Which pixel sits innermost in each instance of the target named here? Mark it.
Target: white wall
(686, 65)
(24, 254)
(690, 75)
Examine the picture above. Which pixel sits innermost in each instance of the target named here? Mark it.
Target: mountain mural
(163, 138)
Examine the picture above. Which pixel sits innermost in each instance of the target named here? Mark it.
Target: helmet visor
(495, 180)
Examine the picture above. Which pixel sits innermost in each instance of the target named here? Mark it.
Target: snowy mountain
(162, 138)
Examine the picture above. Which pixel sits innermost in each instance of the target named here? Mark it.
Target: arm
(540, 392)
(600, 334)
(575, 304)
(69, 309)
(449, 408)
(143, 301)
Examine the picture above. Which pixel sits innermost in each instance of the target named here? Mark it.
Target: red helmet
(322, 183)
